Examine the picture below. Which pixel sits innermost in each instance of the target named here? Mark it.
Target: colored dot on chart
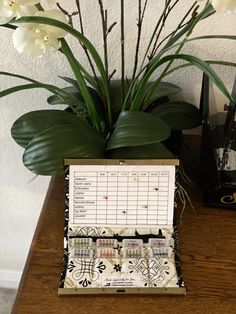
(124, 211)
(105, 197)
(156, 189)
(145, 206)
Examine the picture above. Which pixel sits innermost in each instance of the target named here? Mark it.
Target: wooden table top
(208, 260)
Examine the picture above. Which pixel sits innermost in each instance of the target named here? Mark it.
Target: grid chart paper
(121, 195)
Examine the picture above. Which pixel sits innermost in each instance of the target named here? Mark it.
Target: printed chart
(120, 197)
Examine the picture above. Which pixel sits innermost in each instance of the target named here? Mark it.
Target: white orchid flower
(35, 39)
(10, 9)
(228, 6)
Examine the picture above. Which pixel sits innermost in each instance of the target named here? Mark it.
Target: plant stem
(111, 74)
(85, 49)
(122, 41)
(67, 14)
(149, 92)
(139, 24)
(180, 25)
(104, 32)
(169, 9)
(154, 32)
(198, 17)
(170, 35)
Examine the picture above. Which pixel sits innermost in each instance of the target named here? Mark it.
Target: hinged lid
(121, 192)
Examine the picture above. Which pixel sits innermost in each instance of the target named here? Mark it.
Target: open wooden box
(119, 232)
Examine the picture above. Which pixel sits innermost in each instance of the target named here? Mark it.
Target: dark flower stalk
(139, 24)
(167, 12)
(104, 32)
(193, 9)
(122, 41)
(154, 32)
(85, 49)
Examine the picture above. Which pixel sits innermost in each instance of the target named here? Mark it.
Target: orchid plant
(105, 118)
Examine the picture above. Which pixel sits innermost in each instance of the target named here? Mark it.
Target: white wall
(21, 200)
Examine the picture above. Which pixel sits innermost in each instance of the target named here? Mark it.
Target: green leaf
(229, 37)
(93, 90)
(87, 76)
(32, 123)
(55, 100)
(224, 63)
(45, 153)
(9, 26)
(80, 109)
(72, 101)
(137, 128)
(18, 88)
(162, 89)
(75, 92)
(115, 91)
(179, 115)
(151, 151)
(88, 100)
(202, 65)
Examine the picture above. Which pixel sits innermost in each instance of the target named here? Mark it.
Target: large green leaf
(179, 115)
(137, 128)
(151, 151)
(155, 92)
(45, 153)
(32, 123)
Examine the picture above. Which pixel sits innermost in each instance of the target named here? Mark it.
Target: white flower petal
(5, 15)
(18, 9)
(26, 11)
(25, 41)
(54, 42)
(56, 15)
(34, 39)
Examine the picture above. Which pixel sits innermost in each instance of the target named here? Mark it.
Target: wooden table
(208, 259)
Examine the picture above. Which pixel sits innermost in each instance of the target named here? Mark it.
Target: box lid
(121, 192)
